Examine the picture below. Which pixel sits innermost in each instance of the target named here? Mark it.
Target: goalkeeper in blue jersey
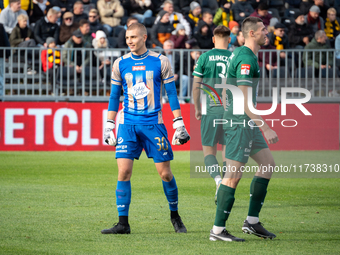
(141, 73)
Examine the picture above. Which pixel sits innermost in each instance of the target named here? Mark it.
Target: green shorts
(242, 143)
(211, 135)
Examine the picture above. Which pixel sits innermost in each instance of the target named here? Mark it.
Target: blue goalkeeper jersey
(142, 78)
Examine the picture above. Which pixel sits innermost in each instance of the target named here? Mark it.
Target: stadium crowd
(75, 24)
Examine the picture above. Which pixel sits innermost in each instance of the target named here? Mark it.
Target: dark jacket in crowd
(297, 32)
(180, 4)
(77, 18)
(36, 14)
(68, 4)
(19, 35)
(44, 29)
(95, 26)
(315, 60)
(239, 7)
(203, 41)
(264, 56)
(4, 42)
(161, 32)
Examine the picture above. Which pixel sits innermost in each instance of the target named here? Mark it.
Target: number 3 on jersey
(223, 73)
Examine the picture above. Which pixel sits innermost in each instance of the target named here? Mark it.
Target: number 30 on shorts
(162, 143)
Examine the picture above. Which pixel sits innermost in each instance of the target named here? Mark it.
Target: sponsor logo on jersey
(245, 69)
(120, 206)
(120, 140)
(138, 68)
(140, 90)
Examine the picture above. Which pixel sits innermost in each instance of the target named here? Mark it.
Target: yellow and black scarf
(54, 57)
(331, 27)
(195, 19)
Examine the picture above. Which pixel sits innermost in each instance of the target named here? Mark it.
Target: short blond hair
(331, 10)
(22, 17)
(94, 11)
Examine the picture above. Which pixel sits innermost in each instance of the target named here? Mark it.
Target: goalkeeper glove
(181, 135)
(109, 136)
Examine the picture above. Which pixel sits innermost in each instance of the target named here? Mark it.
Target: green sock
(258, 191)
(225, 201)
(209, 161)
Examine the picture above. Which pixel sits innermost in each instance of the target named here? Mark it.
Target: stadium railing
(25, 80)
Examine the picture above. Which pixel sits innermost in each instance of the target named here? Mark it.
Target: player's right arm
(269, 134)
(116, 86)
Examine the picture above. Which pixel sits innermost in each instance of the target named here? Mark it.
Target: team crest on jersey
(138, 68)
(140, 90)
(245, 69)
(128, 77)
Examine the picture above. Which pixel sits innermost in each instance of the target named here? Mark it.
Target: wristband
(178, 122)
(110, 124)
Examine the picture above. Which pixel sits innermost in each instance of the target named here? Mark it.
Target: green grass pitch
(58, 202)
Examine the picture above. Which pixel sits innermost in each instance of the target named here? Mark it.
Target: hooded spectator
(204, 36)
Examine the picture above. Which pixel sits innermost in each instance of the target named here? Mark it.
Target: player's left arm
(181, 135)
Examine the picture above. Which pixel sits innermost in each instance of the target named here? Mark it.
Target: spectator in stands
(38, 11)
(234, 28)
(182, 6)
(280, 41)
(239, 41)
(46, 27)
(332, 27)
(305, 7)
(179, 37)
(161, 31)
(3, 55)
(174, 59)
(74, 57)
(78, 12)
(95, 25)
(242, 9)
(300, 33)
(67, 27)
(141, 9)
(224, 14)
(268, 59)
(175, 17)
(121, 36)
(204, 36)
(191, 43)
(84, 27)
(111, 12)
(319, 42)
(262, 13)
(194, 15)
(208, 18)
(50, 59)
(65, 5)
(313, 19)
(9, 16)
(88, 6)
(22, 35)
(101, 43)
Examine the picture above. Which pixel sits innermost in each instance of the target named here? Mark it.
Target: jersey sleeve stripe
(116, 80)
(168, 78)
(244, 81)
(198, 73)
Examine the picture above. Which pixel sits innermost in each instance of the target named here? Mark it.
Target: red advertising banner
(41, 126)
(33, 126)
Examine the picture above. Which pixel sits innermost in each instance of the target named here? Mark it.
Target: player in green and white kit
(211, 67)
(244, 138)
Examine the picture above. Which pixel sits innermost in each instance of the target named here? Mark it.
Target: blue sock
(123, 197)
(171, 193)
